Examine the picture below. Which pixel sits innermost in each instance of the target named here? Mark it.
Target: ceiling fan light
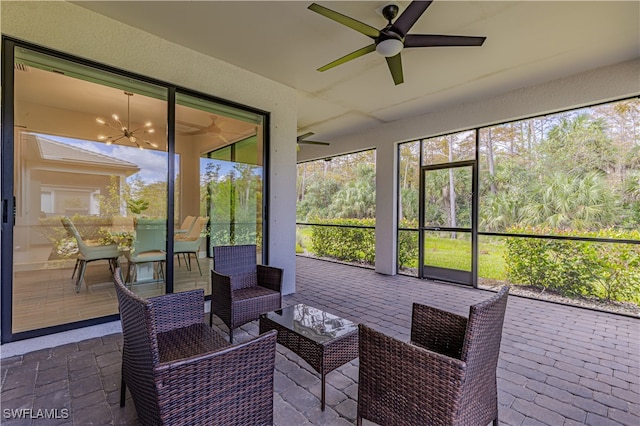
(389, 47)
(101, 121)
(115, 117)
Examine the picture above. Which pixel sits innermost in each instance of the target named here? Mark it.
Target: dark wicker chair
(240, 289)
(445, 376)
(181, 372)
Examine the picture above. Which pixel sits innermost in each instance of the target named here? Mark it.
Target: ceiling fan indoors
(302, 140)
(213, 128)
(390, 40)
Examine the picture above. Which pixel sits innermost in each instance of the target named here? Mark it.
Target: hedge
(342, 243)
(357, 244)
(605, 270)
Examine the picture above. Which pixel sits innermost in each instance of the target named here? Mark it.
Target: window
(336, 208)
(558, 201)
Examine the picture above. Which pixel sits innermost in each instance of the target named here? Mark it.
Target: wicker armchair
(445, 376)
(181, 372)
(240, 289)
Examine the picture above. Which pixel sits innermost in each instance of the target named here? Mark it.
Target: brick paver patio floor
(559, 365)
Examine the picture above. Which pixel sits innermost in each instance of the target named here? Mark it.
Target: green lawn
(303, 238)
(456, 254)
(447, 253)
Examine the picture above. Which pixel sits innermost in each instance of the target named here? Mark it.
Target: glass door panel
(446, 198)
(90, 157)
(222, 151)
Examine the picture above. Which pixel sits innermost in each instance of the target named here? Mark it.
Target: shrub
(605, 270)
(354, 244)
(407, 249)
(343, 242)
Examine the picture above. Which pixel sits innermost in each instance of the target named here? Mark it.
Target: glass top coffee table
(323, 340)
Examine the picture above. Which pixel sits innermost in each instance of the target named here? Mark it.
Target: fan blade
(195, 132)
(225, 140)
(306, 135)
(434, 40)
(395, 66)
(313, 143)
(361, 27)
(350, 56)
(411, 14)
(300, 139)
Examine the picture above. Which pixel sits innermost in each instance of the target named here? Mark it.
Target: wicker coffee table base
(322, 357)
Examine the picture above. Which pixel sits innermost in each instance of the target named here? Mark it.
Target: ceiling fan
(212, 128)
(390, 40)
(302, 140)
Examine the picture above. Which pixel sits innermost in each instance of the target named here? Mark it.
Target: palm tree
(565, 201)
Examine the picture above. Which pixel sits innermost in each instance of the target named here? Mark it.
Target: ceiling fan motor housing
(389, 43)
(390, 12)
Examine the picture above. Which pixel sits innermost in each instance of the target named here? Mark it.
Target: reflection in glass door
(222, 149)
(90, 158)
(446, 236)
(236, 196)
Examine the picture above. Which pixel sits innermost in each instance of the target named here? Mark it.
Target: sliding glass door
(219, 177)
(89, 158)
(102, 169)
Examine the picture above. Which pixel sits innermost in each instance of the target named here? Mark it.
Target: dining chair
(185, 228)
(190, 243)
(148, 246)
(89, 252)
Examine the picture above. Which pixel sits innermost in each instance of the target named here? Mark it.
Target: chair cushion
(99, 252)
(253, 292)
(188, 341)
(249, 303)
(147, 256)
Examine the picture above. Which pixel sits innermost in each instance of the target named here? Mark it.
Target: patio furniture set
(180, 371)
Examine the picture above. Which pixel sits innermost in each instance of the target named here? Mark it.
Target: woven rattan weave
(181, 372)
(241, 290)
(323, 340)
(445, 376)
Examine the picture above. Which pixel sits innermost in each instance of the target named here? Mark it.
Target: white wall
(599, 85)
(69, 28)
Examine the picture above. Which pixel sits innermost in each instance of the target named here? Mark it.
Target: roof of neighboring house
(57, 151)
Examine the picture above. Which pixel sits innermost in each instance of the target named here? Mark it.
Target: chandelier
(125, 131)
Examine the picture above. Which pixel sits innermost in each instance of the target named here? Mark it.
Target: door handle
(5, 211)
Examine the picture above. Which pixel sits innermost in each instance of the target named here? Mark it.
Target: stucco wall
(72, 29)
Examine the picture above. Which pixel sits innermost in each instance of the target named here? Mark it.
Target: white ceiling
(528, 42)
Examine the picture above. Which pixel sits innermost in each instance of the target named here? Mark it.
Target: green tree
(579, 146)
(564, 201)
(357, 198)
